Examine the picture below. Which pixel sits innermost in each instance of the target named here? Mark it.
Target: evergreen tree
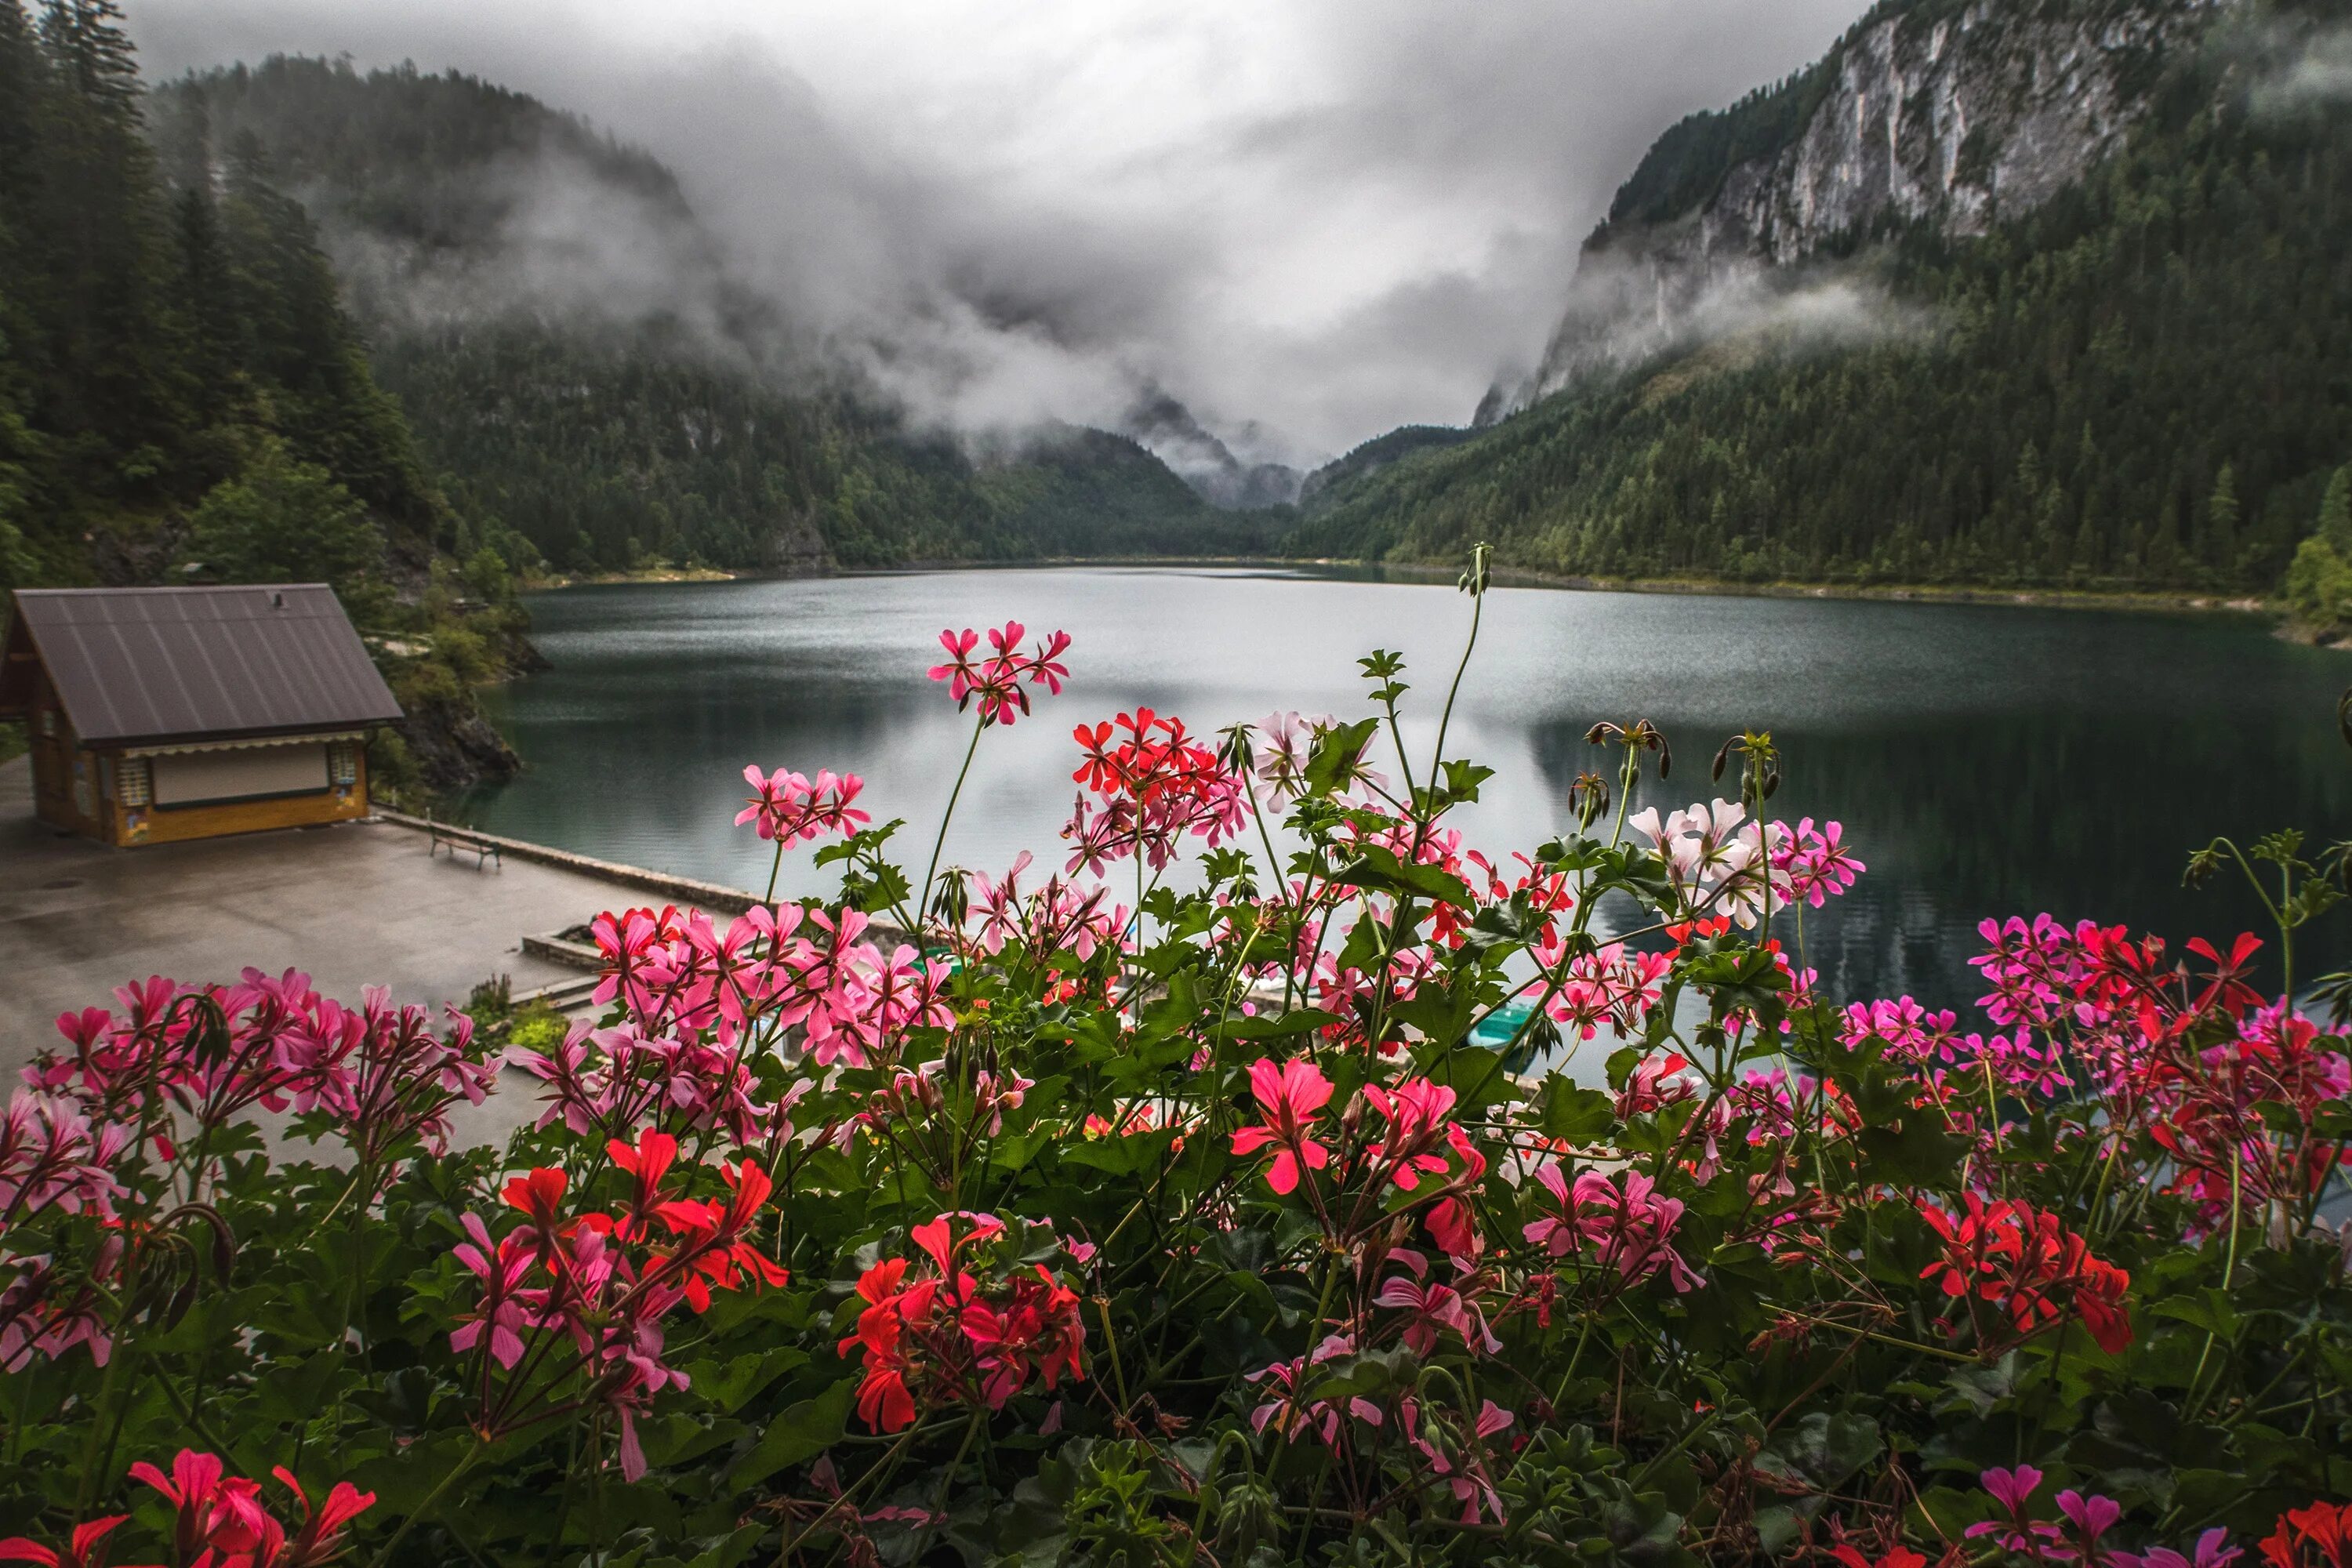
(157, 336)
(110, 389)
(2221, 520)
(2336, 512)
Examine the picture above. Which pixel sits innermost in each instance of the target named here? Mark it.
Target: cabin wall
(131, 822)
(65, 777)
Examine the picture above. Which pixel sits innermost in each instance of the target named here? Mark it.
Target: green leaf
(800, 1433)
(1820, 1450)
(1571, 1112)
(1918, 1152)
(730, 1385)
(1279, 1027)
(1336, 754)
(1380, 868)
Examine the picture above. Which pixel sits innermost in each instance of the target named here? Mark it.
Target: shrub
(1239, 1216)
(285, 520)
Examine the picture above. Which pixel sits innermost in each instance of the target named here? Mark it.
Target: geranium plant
(1248, 1213)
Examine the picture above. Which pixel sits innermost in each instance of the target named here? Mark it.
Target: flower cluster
(1156, 785)
(2307, 1537)
(601, 1282)
(789, 809)
(1627, 1225)
(1813, 864)
(995, 680)
(930, 1333)
(2030, 1268)
(167, 1074)
(1079, 917)
(221, 1520)
(1279, 747)
(2185, 1050)
(771, 969)
(1609, 987)
(380, 1074)
(1716, 856)
(52, 1157)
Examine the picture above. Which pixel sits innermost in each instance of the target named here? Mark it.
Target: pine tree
(2221, 520)
(21, 86)
(2335, 513)
(110, 386)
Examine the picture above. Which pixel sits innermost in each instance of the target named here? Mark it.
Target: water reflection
(1985, 759)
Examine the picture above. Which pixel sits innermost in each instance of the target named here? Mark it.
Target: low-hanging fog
(1308, 222)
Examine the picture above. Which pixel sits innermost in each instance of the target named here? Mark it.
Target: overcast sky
(1329, 217)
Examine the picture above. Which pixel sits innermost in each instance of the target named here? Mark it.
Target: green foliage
(164, 324)
(280, 520)
(2135, 385)
(2318, 586)
(2335, 513)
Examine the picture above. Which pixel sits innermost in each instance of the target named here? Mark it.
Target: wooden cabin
(160, 714)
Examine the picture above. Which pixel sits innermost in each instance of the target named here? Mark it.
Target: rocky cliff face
(1958, 116)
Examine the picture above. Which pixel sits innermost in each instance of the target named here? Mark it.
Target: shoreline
(2170, 601)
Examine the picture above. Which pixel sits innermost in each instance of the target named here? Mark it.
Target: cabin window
(242, 772)
(48, 723)
(133, 781)
(343, 763)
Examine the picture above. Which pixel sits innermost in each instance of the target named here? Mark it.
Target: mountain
(2014, 291)
(1947, 116)
(579, 363)
(1369, 457)
(1202, 459)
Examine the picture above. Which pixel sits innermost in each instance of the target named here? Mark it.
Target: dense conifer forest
(180, 369)
(183, 398)
(2147, 383)
(694, 425)
(171, 335)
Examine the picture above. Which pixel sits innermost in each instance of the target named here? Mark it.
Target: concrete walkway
(352, 904)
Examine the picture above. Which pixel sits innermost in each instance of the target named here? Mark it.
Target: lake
(1985, 759)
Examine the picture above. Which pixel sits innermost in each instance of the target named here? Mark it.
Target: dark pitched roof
(141, 664)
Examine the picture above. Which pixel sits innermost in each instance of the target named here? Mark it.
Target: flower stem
(923, 904)
(464, 1463)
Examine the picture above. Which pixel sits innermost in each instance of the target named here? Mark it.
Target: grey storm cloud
(1309, 222)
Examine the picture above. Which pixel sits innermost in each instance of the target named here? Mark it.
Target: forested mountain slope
(578, 363)
(183, 399)
(163, 336)
(1856, 359)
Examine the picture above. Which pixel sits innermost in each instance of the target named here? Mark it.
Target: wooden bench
(483, 850)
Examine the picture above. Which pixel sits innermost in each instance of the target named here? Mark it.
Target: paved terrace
(352, 904)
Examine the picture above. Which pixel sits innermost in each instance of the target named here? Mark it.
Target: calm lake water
(1984, 759)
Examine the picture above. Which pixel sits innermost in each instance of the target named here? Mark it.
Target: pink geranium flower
(995, 680)
(788, 809)
(1289, 1097)
(1626, 1223)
